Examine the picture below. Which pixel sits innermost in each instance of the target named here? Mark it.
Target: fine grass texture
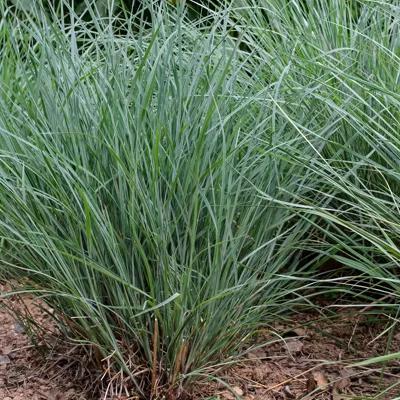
(169, 187)
(340, 81)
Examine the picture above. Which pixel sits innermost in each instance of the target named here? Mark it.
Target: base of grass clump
(310, 355)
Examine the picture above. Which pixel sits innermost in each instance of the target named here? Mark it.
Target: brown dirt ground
(310, 359)
(316, 360)
(48, 369)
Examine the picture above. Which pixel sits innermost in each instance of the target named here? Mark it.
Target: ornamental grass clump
(130, 167)
(169, 184)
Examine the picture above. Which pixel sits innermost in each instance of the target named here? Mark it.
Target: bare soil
(46, 369)
(312, 356)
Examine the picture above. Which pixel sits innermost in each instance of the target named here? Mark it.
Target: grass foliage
(169, 188)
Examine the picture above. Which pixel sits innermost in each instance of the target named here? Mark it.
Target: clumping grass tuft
(130, 170)
(163, 184)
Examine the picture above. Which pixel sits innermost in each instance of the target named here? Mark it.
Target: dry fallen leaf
(300, 331)
(4, 360)
(294, 346)
(320, 379)
(19, 327)
(256, 354)
(343, 382)
(238, 391)
(261, 373)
